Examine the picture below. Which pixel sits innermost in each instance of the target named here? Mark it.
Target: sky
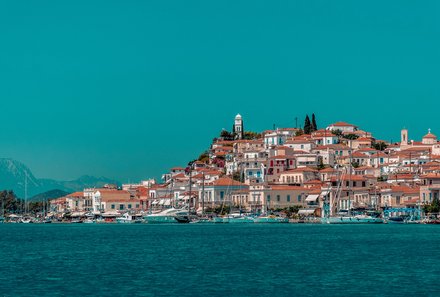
(128, 89)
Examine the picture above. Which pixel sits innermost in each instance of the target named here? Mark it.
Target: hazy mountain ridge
(52, 194)
(14, 175)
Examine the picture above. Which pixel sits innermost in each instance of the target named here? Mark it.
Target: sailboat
(345, 217)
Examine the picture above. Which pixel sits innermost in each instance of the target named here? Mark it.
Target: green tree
(237, 176)
(251, 135)
(204, 157)
(350, 136)
(433, 207)
(226, 135)
(337, 132)
(299, 132)
(9, 202)
(314, 126)
(321, 164)
(307, 125)
(380, 146)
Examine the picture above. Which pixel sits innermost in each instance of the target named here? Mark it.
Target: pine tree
(307, 125)
(314, 126)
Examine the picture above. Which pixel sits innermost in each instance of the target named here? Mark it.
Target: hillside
(14, 175)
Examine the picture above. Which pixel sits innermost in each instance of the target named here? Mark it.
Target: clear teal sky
(128, 89)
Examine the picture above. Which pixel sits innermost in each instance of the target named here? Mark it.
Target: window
(363, 184)
(354, 184)
(222, 195)
(129, 206)
(278, 198)
(137, 205)
(268, 198)
(299, 198)
(113, 206)
(288, 198)
(121, 206)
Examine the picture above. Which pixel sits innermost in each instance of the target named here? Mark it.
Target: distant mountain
(49, 195)
(14, 175)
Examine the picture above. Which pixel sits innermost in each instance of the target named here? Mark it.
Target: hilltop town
(281, 169)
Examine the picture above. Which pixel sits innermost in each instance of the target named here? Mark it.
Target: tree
(226, 135)
(307, 125)
(314, 126)
(350, 136)
(380, 146)
(204, 157)
(337, 132)
(434, 207)
(299, 132)
(321, 164)
(249, 135)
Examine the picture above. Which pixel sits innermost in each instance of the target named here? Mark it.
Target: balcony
(434, 187)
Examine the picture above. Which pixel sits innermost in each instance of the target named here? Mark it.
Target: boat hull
(271, 220)
(160, 220)
(352, 220)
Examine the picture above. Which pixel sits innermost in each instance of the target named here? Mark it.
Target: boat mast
(190, 189)
(25, 194)
(203, 193)
(349, 179)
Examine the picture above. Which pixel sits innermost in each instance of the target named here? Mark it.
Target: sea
(219, 260)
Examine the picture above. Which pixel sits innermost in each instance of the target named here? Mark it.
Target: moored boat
(357, 219)
(128, 218)
(167, 216)
(270, 220)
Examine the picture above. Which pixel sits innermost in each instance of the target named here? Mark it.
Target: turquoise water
(219, 260)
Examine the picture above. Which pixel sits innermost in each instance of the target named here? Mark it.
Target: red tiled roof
(342, 124)
(226, 181)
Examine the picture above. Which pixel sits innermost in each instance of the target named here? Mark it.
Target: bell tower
(238, 126)
(403, 137)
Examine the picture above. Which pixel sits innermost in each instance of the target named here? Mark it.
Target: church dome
(430, 135)
(238, 117)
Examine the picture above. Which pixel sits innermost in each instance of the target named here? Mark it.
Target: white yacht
(128, 218)
(165, 216)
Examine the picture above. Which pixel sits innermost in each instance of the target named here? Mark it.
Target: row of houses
(284, 168)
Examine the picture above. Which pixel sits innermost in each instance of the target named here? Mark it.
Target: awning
(312, 198)
(154, 202)
(77, 214)
(306, 211)
(324, 193)
(162, 201)
(167, 202)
